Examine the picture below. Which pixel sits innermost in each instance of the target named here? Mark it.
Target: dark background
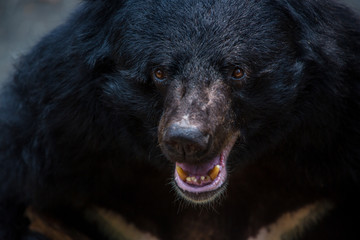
(23, 22)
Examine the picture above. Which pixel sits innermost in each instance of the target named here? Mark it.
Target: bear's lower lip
(201, 183)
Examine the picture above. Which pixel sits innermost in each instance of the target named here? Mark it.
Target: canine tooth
(202, 178)
(213, 173)
(181, 173)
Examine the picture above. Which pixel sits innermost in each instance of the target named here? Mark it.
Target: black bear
(251, 108)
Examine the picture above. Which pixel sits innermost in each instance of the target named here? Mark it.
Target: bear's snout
(186, 143)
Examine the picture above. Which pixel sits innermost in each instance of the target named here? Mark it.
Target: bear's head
(219, 81)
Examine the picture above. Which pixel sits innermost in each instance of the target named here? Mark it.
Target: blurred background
(23, 22)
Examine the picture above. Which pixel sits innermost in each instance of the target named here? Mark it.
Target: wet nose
(186, 140)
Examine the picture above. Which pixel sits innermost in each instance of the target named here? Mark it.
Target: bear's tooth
(188, 179)
(213, 173)
(182, 174)
(194, 179)
(202, 178)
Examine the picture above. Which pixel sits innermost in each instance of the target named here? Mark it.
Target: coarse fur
(85, 119)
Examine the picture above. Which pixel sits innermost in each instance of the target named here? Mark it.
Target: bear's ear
(321, 29)
(95, 30)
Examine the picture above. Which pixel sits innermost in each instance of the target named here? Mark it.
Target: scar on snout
(184, 122)
(214, 94)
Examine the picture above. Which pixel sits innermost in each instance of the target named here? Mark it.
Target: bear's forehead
(207, 29)
(193, 18)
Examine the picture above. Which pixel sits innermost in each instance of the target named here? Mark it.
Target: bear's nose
(186, 141)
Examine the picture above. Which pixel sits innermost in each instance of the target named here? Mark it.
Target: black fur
(79, 119)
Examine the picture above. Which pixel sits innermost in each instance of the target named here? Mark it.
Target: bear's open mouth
(201, 183)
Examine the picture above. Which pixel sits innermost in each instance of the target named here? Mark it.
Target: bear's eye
(159, 75)
(238, 74)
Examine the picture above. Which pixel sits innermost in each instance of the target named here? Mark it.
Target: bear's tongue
(199, 174)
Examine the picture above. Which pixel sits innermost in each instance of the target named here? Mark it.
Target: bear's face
(222, 76)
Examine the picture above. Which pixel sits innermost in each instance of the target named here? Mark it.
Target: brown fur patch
(112, 225)
(292, 225)
(51, 228)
